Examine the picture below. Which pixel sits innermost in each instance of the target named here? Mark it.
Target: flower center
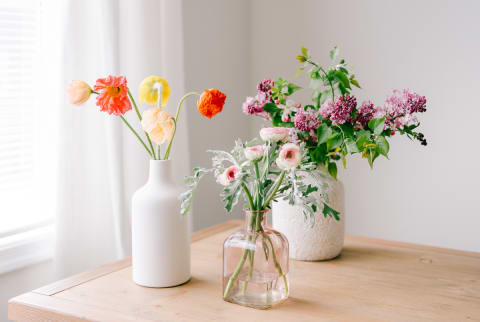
(114, 91)
(231, 174)
(289, 154)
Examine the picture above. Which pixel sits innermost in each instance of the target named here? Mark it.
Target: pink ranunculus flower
(289, 157)
(254, 153)
(229, 175)
(274, 134)
(78, 92)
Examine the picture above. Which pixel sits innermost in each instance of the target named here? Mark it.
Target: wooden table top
(373, 280)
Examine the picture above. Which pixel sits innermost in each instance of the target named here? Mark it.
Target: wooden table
(373, 280)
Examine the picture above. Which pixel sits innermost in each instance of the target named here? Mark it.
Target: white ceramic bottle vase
(160, 235)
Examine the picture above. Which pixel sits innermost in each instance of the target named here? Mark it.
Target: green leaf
(271, 108)
(362, 137)
(347, 130)
(310, 189)
(342, 89)
(344, 161)
(351, 146)
(323, 133)
(370, 158)
(342, 78)
(292, 88)
(334, 53)
(277, 121)
(304, 51)
(343, 70)
(334, 141)
(354, 82)
(382, 146)
(319, 155)
(377, 125)
(328, 211)
(332, 169)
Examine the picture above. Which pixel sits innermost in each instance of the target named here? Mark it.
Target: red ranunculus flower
(113, 95)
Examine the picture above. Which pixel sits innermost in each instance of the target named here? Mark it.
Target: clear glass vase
(255, 264)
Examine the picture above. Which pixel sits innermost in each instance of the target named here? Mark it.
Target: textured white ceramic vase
(323, 240)
(160, 235)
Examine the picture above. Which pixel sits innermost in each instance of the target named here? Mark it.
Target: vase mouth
(263, 211)
(160, 161)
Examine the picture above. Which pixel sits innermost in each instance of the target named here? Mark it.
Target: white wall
(427, 194)
(216, 55)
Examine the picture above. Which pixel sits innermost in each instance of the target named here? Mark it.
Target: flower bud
(78, 92)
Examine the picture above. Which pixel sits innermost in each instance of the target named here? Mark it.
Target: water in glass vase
(255, 265)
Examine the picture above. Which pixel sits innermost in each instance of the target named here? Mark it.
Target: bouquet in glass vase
(255, 258)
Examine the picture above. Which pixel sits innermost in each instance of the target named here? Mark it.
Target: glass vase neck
(255, 220)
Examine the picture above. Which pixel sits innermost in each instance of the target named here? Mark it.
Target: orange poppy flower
(113, 95)
(211, 102)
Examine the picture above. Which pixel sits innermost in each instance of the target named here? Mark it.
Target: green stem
(167, 152)
(245, 252)
(251, 257)
(275, 189)
(235, 273)
(259, 191)
(140, 119)
(136, 134)
(277, 265)
(249, 196)
(323, 71)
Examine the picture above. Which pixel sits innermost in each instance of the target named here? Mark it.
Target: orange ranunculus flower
(158, 124)
(113, 95)
(211, 102)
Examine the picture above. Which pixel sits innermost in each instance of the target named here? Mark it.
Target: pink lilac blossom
(251, 106)
(265, 86)
(254, 105)
(365, 113)
(400, 107)
(307, 120)
(339, 112)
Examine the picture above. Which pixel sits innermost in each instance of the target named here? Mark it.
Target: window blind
(20, 40)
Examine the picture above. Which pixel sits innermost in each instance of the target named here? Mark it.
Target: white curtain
(101, 163)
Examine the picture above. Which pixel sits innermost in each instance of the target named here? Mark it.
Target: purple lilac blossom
(265, 86)
(307, 120)
(339, 112)
(365, 113)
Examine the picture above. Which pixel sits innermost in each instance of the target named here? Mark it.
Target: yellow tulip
(149, 91)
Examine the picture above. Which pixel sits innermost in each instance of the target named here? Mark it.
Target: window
(27, 141)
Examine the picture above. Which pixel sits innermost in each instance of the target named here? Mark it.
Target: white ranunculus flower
(254, 153)
(289, 157)
(274, 134)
